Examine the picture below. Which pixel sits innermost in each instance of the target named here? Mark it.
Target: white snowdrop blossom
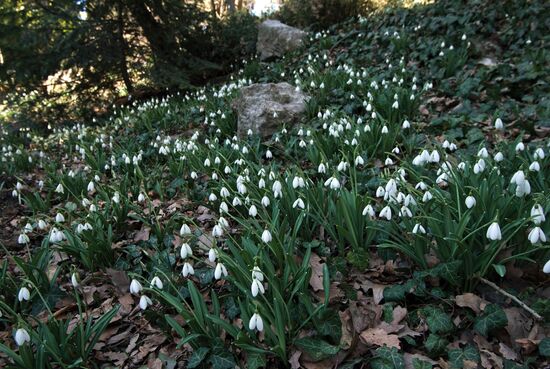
(266, 236)
(493, 232)
(24, 294)
(157, 282)
(187, 270)
(537, 214)
(22, 336)
(536, 235)
(257, 287)
(256, 322)
(185, 251)
(135, 287)
(470, 202)
(144, 302)
(220, 271)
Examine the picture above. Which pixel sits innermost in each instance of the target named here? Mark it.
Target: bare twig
(514, 298)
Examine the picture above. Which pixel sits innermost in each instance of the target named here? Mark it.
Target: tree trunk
(230, 6)
(123, 51)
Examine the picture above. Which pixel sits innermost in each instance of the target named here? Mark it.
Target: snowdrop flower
(385, 213)
(470, 202)
(369, 210)
(499, 124)
(265, 201)
(220, 271)
(418, 228)
(536, 235)
(144, 301)
(257, 287)
(74, 280)
(405, 212)
(224, 208)
(427, 196)
(21, 337)
(187, 270)
(299, 203)
(534, 167)
(217, 231)
(23, 239)
(384, 130)
(277, 189)
(24, 294)
(421, 185)
(380, 192)
(483, 153)
(212, 197)
(537, 213)
(546, 268)
(266, 236)
(257, 273)
(184, 230)
(268, 154)
(322, 168)
(359, 161)
(185, 250)
(520, 147)
(499, 157)
(59, 218)
(256, 322)
(406, 124)
(91, 186)
(333, 183)
(388, 161)
(493, 232)
(298, 182)
(42, 224)
(212, 255)
(157, 282)
(539, 154)
(236, 201)
(253, 211)
(59, 189)
(141, 197)
(135, 287)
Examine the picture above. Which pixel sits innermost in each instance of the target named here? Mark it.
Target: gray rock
(265, 107)
(276, 38)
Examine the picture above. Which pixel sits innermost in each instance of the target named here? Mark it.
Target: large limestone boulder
(276, 38)
(265, 107)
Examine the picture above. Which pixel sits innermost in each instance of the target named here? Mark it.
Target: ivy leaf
(387, 358)
(197, 357)
(255, 360)
(438, 321)
(435, 344)
(222, 360)
(316, 348)
(457, 356)
(544, 347)
(421, 364)
(493, 317)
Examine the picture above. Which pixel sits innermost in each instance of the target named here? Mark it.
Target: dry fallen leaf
(507, 352)
(379, 337)
(316, 279)
(143, 234)
(399, 313)
(377, 290)
(294, 360)
(471, 301)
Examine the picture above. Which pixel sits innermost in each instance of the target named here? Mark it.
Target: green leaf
(222, 360)
(387, 358)
(198, 356)
(544, 347)
(457, 356)
(500, 269)
(435, 344)
(421, 364)
(492, 318)
(255, 360)
(438, 321)
(316, 348)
